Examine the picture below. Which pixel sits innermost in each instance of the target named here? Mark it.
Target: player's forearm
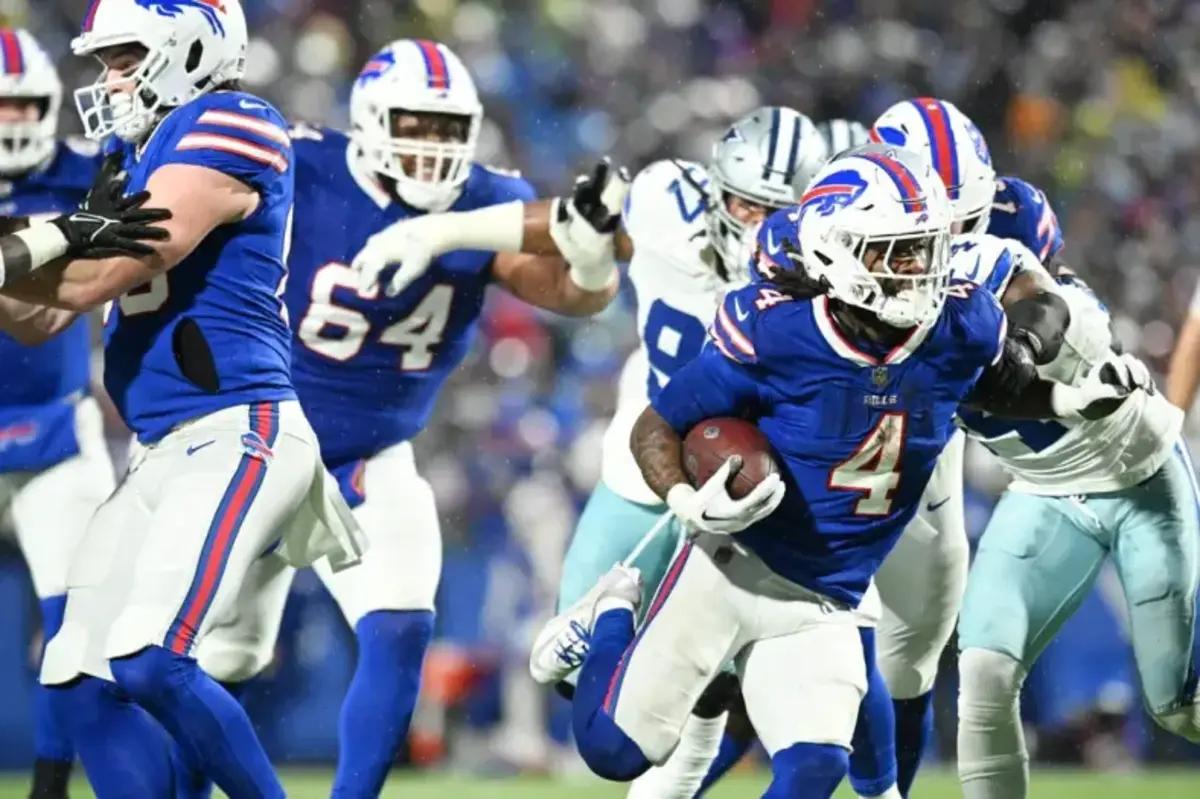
(658, 452)
(83, 284)
(1183, 373)
(32, 324)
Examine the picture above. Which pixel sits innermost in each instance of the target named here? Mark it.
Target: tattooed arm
(658, 452)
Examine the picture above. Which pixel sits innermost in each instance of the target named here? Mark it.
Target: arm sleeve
(709, 385)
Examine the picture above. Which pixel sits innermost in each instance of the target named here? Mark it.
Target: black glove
(587, 197)
(109, 222)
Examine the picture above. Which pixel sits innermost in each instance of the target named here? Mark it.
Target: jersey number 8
(416, 334)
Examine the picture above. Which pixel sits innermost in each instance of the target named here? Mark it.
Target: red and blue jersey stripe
(14, 57)
(437, 72)
(941, 141)
(905, 180)
(89, 18)
(226, 524)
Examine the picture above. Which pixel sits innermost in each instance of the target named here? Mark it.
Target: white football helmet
(945, 136)
(192, 46)
(29, 74)
(842, 134)
(866, 212)
(766, 157)
(423, 78)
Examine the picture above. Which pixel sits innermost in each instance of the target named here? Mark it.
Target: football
(712, 441)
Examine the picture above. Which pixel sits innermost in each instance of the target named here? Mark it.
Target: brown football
(712, 441)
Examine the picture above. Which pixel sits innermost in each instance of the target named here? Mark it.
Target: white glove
(583, 225)
(710, 509)
(1115, 378)
(414, 243)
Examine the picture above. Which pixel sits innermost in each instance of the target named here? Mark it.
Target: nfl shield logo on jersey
(879, 376)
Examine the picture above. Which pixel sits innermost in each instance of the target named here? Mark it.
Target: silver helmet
(767, 157)
(842, 134)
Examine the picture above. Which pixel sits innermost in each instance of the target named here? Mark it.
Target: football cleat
(562, 645)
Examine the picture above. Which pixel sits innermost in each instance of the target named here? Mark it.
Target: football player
(197, 362)
(845, 366)
(682, 231)
(368, 367)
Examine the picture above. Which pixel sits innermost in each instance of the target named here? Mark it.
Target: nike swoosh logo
(250, 106)
(192, 450)
(741, 315)
(772, 247)
(932, 506)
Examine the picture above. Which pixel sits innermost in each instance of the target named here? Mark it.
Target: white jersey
(1064, 457)
(678, 289)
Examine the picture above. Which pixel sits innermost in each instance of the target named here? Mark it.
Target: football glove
(711, 509)
(583, 225)
(1104, 387)
(124, 228)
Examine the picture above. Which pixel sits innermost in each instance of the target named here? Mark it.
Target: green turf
(1179, 784)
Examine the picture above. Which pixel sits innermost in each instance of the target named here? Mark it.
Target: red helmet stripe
(436, 71)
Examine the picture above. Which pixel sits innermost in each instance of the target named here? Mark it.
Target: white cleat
(562, 645)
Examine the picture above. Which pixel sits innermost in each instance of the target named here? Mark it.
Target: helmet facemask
(124, 104)
(732, 238)
(901, 279)
(26, 140)
(428, 154)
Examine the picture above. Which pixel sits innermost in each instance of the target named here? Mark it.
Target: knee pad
(1183, 721)
(985, 675)
(807, 771)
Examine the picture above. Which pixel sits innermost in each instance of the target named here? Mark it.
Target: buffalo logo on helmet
(981, 148)
(832, 192)
(173, 8)
(377, 67)
(887, 135)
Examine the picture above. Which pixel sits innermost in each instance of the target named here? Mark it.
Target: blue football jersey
(1021, 211)
(369, 367)
(856, 431)
(211, 332)
(39, 383)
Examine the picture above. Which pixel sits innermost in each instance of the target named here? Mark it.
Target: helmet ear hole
(195, 56)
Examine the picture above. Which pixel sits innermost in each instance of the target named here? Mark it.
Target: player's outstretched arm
(195, 201)
(582, 229)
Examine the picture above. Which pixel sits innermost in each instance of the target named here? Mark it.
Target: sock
(992, 761)
(124, 751)
(380, 700)
(873, 761)
(807, 771)
(914, 725)
(50, 779)
(50, 741)
(211, 727)
(685, 769)
(190, 780)
(607, 750)
(731, 750)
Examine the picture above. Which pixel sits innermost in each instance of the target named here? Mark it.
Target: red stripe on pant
(212, 566)
(660, 598)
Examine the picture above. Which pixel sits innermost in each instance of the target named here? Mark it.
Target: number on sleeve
(691, 202)
(338, 332)
(672, 339)
(768, 298)
(874, 468)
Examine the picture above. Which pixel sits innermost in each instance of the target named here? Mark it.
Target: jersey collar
(840, 343)
(365, 180)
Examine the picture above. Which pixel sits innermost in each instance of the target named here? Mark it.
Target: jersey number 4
(338, 332)
(874, 468)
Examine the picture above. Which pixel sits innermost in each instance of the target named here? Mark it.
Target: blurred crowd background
(1096, 101)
